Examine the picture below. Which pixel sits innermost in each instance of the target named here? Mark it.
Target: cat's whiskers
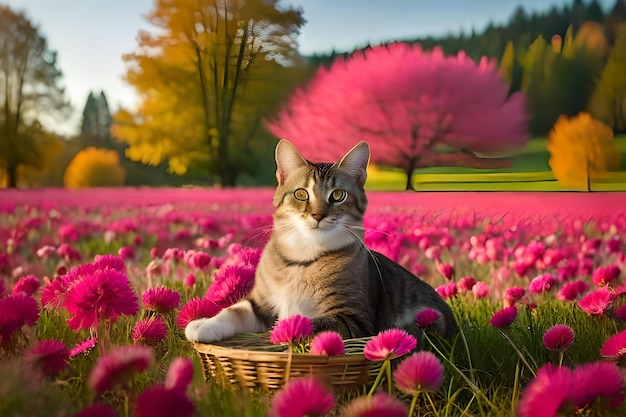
(348, 228)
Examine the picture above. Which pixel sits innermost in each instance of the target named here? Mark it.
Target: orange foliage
(580, 149)
(94, 167)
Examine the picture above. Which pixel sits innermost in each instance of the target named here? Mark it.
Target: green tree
(96, 124)
(29, 91)
(608, 102)
(207, 77)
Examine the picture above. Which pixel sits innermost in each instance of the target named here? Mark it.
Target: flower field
(97, 285)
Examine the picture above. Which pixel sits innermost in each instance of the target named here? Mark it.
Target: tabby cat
(315, 263)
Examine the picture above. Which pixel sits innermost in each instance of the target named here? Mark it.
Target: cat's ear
(288, 159)
(355, 162)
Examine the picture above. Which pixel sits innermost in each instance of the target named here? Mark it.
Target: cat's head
(324, 201)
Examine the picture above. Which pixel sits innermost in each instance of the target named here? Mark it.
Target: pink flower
(26, 285)
(504, 317)
(179, 374)
(466, 284)
(119, 365)
(83, 347)
(96, 410)
(150, 330)
(598, 381)
(420, 372)
(426, 317)
(572, 290)
(196, 308)
(447, 290)
(126, 252)
(46, 251)
(190, 280)
(389, 344)
(302, 397)
(513, 295)
(548, 394)
(380, 404)
(614, 244)
(615, 346)
(232, 283)
(109, 262)
(446, 270)
(597, 302)
(3, 288)
(158, 401)
(294, 328)
(558, 338)
(16, 311)
(68, 253)
(161, 299)
(200, 260)
(620, 312)
(104, 295)
(542, 283)
(327, 343)
(481, 289)
(49, 355)
(604, 275)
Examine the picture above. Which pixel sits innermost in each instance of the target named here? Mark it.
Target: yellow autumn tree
(581, 148)
(94, 167)
(207, 75)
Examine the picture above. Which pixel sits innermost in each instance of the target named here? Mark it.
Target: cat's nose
(318, 216)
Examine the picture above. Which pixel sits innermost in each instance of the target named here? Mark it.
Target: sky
(90, 36)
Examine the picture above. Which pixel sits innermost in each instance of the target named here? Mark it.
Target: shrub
(581, 148)
(94, 167)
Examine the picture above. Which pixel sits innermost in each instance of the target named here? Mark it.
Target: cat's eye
(301, 194)
(338, 196)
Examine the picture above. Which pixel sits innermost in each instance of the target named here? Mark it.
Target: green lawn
(529, 172)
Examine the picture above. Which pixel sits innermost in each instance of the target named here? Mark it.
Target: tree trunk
(12, 175)
(228, 177)
(409, 175)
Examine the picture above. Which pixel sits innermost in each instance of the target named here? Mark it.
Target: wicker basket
(253, 362)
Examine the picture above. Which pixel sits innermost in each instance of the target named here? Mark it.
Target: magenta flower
(104, 295)
(50, 356)
(83, 347)
(150, 330)
(426, 317)
(96, 410)
(466, 284)
(389, 344)
(328, 343)
(126, 252)
(161, 299)
(420, 372)
(16, 311)
(446, 270)
(597, 302)
(513, 295)
(232, 283)
(548, 394)
(615, 346)
(179, 374)
(26, 285)
(504, 317)
(302, 397)
(595, 381)
(68, 253)
(196, 308)
(481, 289)
(380, 404)
(118, 366)
(572, 290)
(558, 338)
(542, 283)
(200, 260)
(448, 290)
(3, 288)
(158, 401)
(109, 262)
(294, 328)
(604, 275)
(190, 280)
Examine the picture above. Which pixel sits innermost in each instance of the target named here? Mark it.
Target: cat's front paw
(207, 331)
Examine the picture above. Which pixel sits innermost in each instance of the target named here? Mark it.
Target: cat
(315, 262)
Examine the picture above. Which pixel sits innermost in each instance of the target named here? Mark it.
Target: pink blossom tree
(416, 109)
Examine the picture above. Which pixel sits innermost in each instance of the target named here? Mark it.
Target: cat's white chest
(293, 298)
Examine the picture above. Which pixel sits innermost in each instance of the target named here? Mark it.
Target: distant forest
(521, 29)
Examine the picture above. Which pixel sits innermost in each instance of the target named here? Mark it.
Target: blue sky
(90, 36)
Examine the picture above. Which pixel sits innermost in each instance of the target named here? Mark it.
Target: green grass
(529, 172)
